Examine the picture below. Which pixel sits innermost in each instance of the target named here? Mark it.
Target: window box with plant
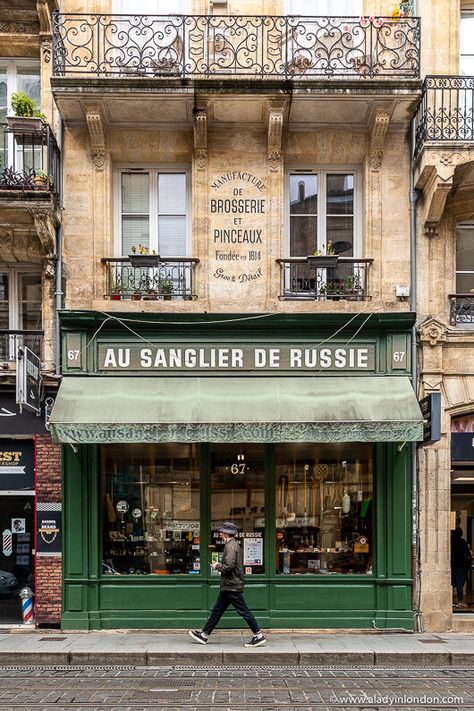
(141, 257)
(27, 115)
(165, 287)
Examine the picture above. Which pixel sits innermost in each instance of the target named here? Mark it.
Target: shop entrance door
(238, 494)
(16, 553)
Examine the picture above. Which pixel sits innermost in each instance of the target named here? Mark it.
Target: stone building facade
(235, 142)
(30, 216)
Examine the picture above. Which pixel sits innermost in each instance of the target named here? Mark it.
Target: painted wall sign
(238, 209)
(182, 358)
(48, 528)
(16, 464)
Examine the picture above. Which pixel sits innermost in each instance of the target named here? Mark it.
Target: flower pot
(24, 124)
(136, 296)
(115, 297)
(40, 182)
(144, 260)
(152, 295)
(323, 261)
(167, 297)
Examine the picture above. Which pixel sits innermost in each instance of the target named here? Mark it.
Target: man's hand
(214, 566)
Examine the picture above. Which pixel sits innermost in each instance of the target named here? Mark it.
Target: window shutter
(172, 214)
(135, 211)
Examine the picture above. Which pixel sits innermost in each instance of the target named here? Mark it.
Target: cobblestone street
(234, 689)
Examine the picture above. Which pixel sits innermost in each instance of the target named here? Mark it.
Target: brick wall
(48, 568)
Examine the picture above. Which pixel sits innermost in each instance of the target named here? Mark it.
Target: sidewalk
(18, 648)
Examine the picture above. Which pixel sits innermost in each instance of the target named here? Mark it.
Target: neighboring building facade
(239, 264)
(30, 469)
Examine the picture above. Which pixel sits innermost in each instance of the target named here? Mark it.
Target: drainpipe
(58, 292)
(415, 538)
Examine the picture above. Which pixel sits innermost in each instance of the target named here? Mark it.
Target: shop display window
(238, 495)
(324, 509)
(150, 503)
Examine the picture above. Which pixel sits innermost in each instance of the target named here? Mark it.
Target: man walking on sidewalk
(231, 569)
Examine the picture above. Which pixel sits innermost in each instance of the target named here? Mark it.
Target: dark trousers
(236, 599)
(458, 578)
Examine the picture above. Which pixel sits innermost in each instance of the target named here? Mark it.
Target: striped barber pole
(27, 605)
(7, 542)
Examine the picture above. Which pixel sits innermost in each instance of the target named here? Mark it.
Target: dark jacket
(231, 567)
(461, 556)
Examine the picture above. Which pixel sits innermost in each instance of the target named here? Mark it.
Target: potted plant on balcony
(116, 288)
(27, 118)
(141, 257)
(323, 258)
(165, 287)
(42, 180)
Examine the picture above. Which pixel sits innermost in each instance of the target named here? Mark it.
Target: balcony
(31, 159)
(461, 310)
(167, 279)
(446, 111)
(188, 47)
(10, 340)
(348, 280)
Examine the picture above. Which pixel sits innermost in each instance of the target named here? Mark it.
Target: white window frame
(465, 15)
(11, 65)
(14, 272)
(153, 170)
(461, 226)
(322, 171)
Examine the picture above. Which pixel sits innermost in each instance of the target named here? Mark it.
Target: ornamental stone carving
(433, 332)
(200, 138)
(97, 136)
(276, 114)
(45, 230)
(378, 132)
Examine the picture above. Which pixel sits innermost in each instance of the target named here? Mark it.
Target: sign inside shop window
(16, 465)
(253, 549)
(303, 358)
(238, 209)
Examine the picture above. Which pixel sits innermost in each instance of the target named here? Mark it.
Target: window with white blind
(153, 211)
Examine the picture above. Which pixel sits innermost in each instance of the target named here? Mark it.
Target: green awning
(236, 409)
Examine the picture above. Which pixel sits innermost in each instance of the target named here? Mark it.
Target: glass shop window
(324, 509)
(238, 495)
(150, 504)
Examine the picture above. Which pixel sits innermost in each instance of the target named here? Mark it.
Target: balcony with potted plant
(32, 157)
(149, 277)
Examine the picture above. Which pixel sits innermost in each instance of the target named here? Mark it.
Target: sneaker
(198, 636)
(256, 641)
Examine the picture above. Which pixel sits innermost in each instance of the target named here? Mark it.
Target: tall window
(16, 75)
(324, 509)
(153, 212)
(465, 259)
(322, 213)
(466, 60)
(150, 498)
(20, 309)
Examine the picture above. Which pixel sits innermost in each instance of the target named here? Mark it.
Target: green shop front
(293, 426)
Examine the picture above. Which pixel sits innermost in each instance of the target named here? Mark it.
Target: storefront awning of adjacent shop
(238, 409)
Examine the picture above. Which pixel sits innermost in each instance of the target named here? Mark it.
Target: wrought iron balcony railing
(169, 278)
(348, 280)
(10, 340)
(214, 46)
(461, 309)
(31, 159)
(446, 110)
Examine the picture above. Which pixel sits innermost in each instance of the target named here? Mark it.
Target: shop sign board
(309, 357)
(16, 465)
(13, 422)
(48, 528)
(28, 379)
(430, 407)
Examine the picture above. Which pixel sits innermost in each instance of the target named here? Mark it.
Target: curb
(249, 657)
